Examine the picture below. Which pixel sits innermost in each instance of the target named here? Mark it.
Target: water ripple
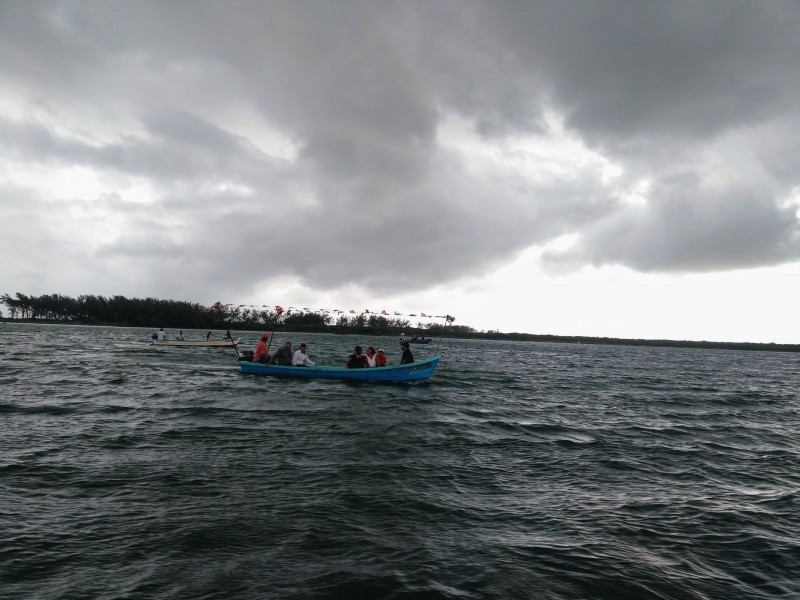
(569, 472)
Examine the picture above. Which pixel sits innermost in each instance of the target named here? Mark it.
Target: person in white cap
(380, 358)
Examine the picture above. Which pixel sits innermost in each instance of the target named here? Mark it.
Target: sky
(598, 167)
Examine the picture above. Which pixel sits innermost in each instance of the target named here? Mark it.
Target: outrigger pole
(447, 320)
(235, 349)
(269, 341)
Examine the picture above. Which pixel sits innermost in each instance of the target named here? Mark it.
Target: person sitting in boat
(380, 358)
(370, 356)
(209, 335)
(407, 356)
(283, 356)
(300, 358)
(227, 335)
(356, 360)
(180, 337)
(162, 335)
(261, 355)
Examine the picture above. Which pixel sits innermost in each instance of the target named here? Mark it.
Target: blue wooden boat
(416, 371)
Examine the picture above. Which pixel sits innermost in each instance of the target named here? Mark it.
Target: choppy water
(522, 470)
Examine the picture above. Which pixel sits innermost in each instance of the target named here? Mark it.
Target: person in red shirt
(261, 355)
(380, 358)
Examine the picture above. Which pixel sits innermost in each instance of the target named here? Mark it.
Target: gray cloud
(177, 95)
(686, 228)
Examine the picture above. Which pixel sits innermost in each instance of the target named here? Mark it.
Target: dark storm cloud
(370, 194)
(621, 69)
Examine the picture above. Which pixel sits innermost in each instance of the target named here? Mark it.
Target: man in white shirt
(300, 358)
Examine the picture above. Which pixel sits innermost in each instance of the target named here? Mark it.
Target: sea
(520, 470)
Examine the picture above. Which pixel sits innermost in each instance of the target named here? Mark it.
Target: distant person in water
(180, 337)
(407, 356)
(162, 335)
(380, 358)
(261, 355)
(356, 360)
(370, 356)
(209, 335)
(300, 357)
(283, 356)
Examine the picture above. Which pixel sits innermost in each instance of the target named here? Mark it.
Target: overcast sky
(612, 168)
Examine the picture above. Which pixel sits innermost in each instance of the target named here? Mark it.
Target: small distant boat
(415, 341)
(197, 343)
(416, 371)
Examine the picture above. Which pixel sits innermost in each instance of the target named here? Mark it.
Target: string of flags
(280, 311)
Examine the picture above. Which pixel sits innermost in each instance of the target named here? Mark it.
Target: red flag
(450, 319)
(278, 310)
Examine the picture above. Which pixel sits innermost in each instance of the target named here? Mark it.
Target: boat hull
(416, 371)
(197, 343)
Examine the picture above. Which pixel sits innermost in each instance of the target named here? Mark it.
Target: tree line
(175, 314)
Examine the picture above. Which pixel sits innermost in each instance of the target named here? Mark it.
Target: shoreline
(514, 337)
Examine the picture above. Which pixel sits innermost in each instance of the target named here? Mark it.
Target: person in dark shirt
(407, 356)
(356, 360)
(283, 356)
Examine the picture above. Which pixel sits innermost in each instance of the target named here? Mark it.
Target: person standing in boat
(380, 358)
(162, 335)
(300, 358)
(356, 360)
(407, 356)
(283, 356)
(261, 355)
